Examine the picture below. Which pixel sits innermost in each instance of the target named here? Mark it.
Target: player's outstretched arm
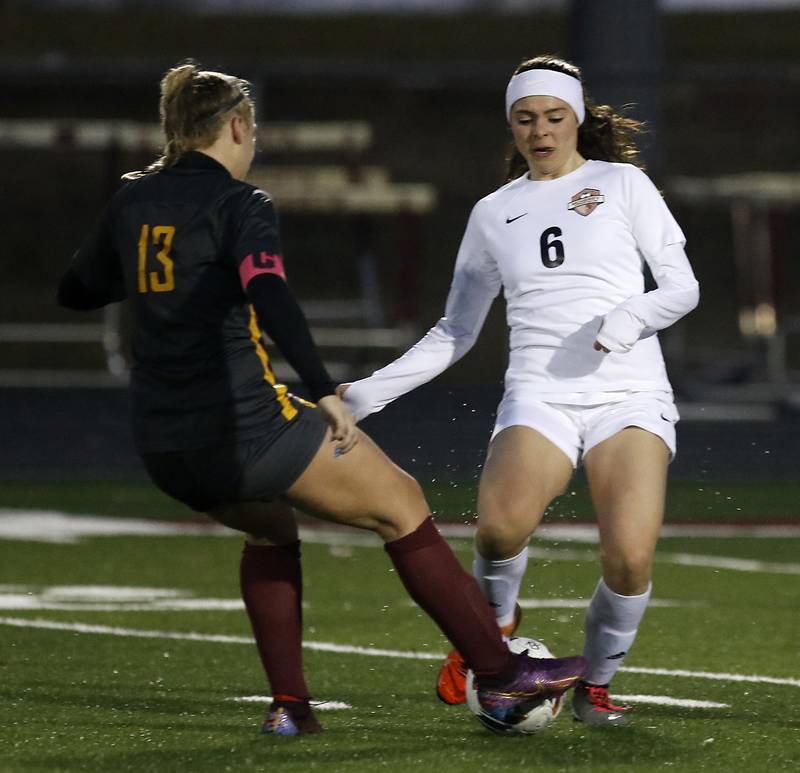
(476, 283)
(445, 343)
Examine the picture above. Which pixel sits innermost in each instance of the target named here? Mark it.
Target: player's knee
(403, 509)
(499, 538)
(411, 489)
(404, 494)
(629, 575)
(505, 524)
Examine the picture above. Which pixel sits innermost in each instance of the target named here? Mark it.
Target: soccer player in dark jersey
(196, 252)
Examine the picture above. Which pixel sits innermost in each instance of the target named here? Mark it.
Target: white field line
(656, 700)
(108, 598)
(110, 630)
(62, 528)
(27, 603)
(663, 700)
(588, 533)
(55, 526)
(346, 649)
(350, 649)
(354, 650)
(102, 598)
(584, 603)
(719, 677)
(574, 604)
(318, 705)
(116, 593)
(722, 562)
(680, 559)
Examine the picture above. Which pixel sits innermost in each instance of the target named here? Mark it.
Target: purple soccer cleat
(536, 678)
(291, 720)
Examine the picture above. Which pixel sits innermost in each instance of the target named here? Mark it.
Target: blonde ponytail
(192, 108)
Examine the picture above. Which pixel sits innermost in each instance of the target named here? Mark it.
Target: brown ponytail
(193, 106)
(604, 135)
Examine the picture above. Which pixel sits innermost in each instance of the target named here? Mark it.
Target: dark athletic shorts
(256, 470)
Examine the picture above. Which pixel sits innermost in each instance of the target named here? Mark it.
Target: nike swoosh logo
(666, 419)
(512, 219)
(494, 605)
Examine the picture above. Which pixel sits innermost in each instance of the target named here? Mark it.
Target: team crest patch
(585, 202)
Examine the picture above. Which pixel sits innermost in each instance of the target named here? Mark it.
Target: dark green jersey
(182, 245)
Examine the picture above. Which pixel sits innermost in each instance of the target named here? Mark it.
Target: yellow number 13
(161, 236)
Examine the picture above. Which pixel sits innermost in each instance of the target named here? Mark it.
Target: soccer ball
(537, 715)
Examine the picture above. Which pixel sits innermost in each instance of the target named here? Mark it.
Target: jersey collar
(194, 159)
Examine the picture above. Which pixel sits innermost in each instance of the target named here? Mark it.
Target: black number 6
(545, 245)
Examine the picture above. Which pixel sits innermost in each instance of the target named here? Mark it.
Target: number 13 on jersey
(163, 279)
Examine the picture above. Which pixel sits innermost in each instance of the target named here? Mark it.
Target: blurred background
(381, 123)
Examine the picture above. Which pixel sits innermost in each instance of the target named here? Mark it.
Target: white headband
(546, 83)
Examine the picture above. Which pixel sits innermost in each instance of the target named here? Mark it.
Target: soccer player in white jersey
(567, 239)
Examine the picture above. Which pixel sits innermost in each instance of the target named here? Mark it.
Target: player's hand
(343, 426)
(619, 331)
(352, 394)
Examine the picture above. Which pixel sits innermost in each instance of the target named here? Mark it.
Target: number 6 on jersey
(545, 246)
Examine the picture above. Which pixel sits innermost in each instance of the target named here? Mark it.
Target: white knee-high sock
(500, 581)
(611, 625)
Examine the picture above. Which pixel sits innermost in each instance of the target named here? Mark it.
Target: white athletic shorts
(576, 429)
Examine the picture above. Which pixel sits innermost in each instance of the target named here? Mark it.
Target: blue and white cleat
(286, 720)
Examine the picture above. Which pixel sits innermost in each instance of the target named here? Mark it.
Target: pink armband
(263, 264)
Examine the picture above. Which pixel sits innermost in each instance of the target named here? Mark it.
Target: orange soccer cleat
(451, 685)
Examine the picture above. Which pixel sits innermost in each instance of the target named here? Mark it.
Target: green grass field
(98, 673)
(687, 500)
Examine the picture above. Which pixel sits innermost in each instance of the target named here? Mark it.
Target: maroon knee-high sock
(436, 580)
(272, 589)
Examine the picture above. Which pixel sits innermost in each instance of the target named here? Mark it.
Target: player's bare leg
(627, 477)
(523, 473)
(362, 488)
(264, 523)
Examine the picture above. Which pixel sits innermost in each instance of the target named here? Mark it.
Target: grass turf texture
(687, 500)
(88, 702)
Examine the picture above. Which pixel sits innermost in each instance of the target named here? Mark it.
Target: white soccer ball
(538, 715)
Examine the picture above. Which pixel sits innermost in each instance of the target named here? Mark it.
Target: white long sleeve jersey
(569, 254)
